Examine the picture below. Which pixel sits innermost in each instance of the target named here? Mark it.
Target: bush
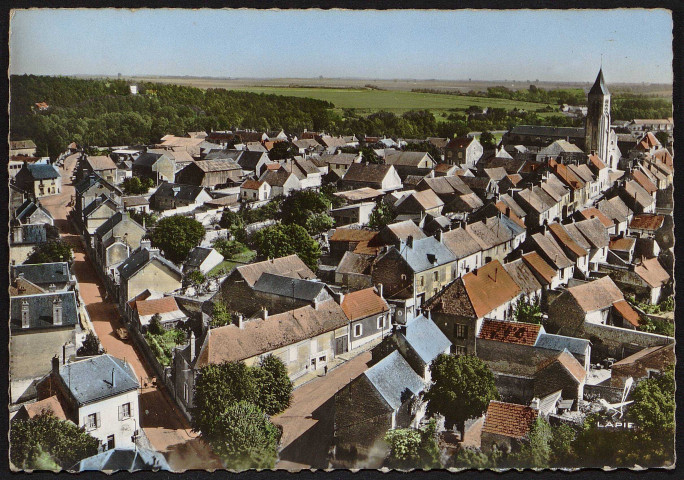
(91, 346)
(156, 327)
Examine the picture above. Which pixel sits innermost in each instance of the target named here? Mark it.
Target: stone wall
(616, 342)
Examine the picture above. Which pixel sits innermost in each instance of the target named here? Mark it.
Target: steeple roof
(599, 85)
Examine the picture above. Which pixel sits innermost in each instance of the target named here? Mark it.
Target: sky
(546, 45)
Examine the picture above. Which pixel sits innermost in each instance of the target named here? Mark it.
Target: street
(166, 428)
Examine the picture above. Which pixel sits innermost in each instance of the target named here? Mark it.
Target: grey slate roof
(34, 233)
(141, 257)
(523, 276)
(599, 86)
(426, 338)
(110, 223)
(43, 273)
(180, 191)
(394, 379)
(91, 380)
(197, 255)
(426, 253)
(545, 131)
(288, 287)
(560, 342)
(123, 459)
(40, 310)
(41, 171)
(147, 159)
(91, 180)
(460, 242)
(355, 263)
(27, 209)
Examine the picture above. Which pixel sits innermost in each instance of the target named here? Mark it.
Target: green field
(366, 101)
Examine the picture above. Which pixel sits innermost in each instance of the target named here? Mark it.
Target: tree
(413, 448)
(136, 185)
(64, 442)
(462, 388)
(220, 316)
(487, 140)
(280, 240)
(663, 138)
(300, 205)
(245, 437)
(156, 327)
(216, 388)
(528, 311)
(381, 216)
(176, 236)
(149, 220)
(282, 150)
(91, 346)
(196, 279)
(230, 219)
(536, 451)
(52, 251)
(275, 386)
(562, 453)
(654, 405)
(318, 223)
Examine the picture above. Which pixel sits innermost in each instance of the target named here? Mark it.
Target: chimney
(57, 311)
(145, 244)
(380, 290)
(264, 313)
(55, 364)
(52, 287)
(113, 381)
(24, 313)
(192, 346)
(409, 241)
(535, 403)
(439, 236)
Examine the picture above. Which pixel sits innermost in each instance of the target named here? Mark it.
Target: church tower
(597, 127)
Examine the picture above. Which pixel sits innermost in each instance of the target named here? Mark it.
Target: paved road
(164, 425)
(308, 423)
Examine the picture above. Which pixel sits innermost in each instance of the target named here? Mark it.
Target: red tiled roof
(646, 352)
(460, 142)
(251, 184)
(644, 181)
(596, 161)
(569, 362)
(363, 303)
(509, 419)
(352, 235)
(622, 244)
(565, 239)
(489, 287)
(594, 212)
(506, 210)
(652, 272)
(509, 332)
(539, 265)
(627, 312)
(159, 305)
(596, 295)
(50, 404)
(647, 221)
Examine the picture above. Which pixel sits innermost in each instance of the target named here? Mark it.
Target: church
(597, 136)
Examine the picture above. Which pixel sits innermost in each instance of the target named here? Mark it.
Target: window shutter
(97, 420)
(121, 413)
(465, 331)
(85, 422)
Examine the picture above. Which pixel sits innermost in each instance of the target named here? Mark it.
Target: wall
(514, 388)
(110, 423)
(447, 324)
(154, 276)
(31, 352)
(616, 342)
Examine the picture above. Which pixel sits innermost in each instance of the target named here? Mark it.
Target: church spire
(599, 85)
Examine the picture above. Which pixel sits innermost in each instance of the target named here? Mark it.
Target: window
(436, 276)
(186, 392)
(459, 350)
(381, 322)
(460, 331)
(322, 358)
(562, 273)
(110, 442)
(358, 330)
(422, 281)
(125, 411)
(92, 421)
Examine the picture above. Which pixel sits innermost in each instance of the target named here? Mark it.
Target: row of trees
(233, 403)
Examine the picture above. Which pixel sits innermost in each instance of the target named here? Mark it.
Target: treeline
(574, 96)
(103, 112)
(630, 106)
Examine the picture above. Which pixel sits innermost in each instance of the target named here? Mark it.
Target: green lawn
(369, 101)
(162, 345)
(245, 256)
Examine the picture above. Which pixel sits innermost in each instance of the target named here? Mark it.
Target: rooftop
(363, 303)
(509, 419)
(289, 266)
(489, 287)
(97, 378)
(426, 339)
(392, 377)
(510, 332)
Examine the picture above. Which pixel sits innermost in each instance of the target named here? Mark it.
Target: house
(369, 318)
(237, 289)
(419, 341)
(447, 170)
(158, 165)
(48, 276)
(380, 177)
(623, 247)
(115, 239)
(636, 197)
(147, 269)
(466, 249)
(211, 173)
(136, 203)
(413, 272)
(169, 196)
(601, 170)
(24, 238)
(364, 194)
(460, 308)
(355, 214)
(617, 211)
(416, 160)
(398, 232)
(357, 240)
(561, 150)
(539, 206)
(186, 144)
(102, 166)
(552, 253)
(254, 191)
(548, 276)
(101, 395)
(541, 136)
(497, 236)
(39, 179)
(593, 212)
(92, 187)
(250, 162)
(645, 225)
(116, 459)
(457, 196)
(646, 363)
(306, 171)
(417, 205)
(97, 212)
(463, 151)
(15, 163)
(22, 147)
(506, 426)
(562, 372)
(644, 125)
(597, 302)
(572, 249)
(41, 326)
(202, 259)
(525, 278)
(29, 411)
(644, 279)
(280, 181)
(382, 398)
(591, 236)
(339, 163)
(353, 271)
(170, 315)
(32, 213)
